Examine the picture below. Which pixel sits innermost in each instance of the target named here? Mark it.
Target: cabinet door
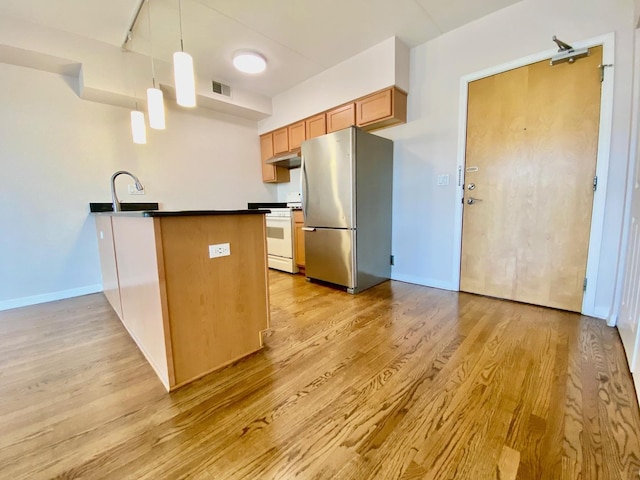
(381, 109)
(270, 173)
(106, 249)
(316, 126)
(374, 107)
(297, 135)
(341, 117)
(266, 152)
(299, 238)
(281, 141)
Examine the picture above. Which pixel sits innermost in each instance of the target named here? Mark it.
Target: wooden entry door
(532, 138)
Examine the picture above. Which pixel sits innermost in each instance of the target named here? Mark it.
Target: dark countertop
(181, 213)
(104, 207)
(151, 210)
(187, 213)
(254, 205)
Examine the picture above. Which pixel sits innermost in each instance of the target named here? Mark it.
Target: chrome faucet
(114, 197)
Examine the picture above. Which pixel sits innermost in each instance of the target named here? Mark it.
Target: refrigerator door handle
(303, 187)
(309, 229)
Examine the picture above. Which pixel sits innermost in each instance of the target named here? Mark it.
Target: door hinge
(602, 67)
(595, 183)
(584, 285)
(459, 176)
(391, 259)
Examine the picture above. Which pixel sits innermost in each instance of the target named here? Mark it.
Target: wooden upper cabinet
(378, 110)
(316, 126)
(297, 135)
(270, 173)
(341, 117)
(266, 146)
(281, 141)
(381, 109)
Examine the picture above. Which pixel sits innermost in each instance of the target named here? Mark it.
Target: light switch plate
(134, 191)
(443, 180)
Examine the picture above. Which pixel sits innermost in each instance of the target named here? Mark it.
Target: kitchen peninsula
(189, 286)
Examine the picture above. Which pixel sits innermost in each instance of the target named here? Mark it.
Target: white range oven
(280, 235)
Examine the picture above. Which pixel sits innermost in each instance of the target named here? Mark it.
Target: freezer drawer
(330, 255)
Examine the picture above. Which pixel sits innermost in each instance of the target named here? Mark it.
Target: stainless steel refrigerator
(346, 183)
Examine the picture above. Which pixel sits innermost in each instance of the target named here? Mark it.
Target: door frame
(602, 159)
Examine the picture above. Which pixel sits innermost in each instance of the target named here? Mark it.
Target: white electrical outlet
(134, 191)
(219, 250)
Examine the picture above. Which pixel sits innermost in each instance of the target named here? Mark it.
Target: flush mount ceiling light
(249, 62)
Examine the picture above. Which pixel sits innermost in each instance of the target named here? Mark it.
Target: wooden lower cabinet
(298, 220)
(107, 253)
(188, 313)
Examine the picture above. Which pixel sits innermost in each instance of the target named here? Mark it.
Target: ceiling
(299, 38)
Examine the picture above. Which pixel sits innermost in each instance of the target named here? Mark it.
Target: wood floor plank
(508, 464)
(400, 381)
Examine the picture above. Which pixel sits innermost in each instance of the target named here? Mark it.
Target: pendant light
(155, 100)
(138, 129)
(183, 72)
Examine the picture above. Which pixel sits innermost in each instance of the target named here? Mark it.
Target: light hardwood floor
(400, 381)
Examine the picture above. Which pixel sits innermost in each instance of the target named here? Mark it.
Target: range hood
(288, 160)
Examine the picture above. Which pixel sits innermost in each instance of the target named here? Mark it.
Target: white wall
(57, 154)
(381, 66)
(423, 213)
(292, 186)
(427, 145)
(108, 74)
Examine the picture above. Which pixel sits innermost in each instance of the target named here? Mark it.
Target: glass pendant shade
(155, 106)
(138, 129)
(185, 79)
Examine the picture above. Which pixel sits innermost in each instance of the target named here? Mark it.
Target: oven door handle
(309, 229)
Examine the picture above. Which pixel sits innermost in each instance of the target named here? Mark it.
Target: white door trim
(602, 160)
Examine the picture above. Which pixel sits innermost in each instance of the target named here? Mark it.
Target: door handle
(303, 186)
(309, 229)
(471, 186)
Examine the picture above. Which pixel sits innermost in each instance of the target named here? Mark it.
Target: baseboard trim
(426, 282)
(601, 313)
(49, 297)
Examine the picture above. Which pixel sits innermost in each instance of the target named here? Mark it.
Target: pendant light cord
(180, 17)
(153, 69)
